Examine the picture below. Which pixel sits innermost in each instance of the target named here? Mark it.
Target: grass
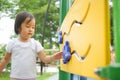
(45, 76)
(5, 76)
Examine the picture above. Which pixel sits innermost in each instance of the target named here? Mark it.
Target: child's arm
(4, 62)
(45, 58)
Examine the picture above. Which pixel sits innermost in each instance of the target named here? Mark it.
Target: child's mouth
(29, 33)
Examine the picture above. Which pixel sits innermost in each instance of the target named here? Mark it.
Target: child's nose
(31, 29)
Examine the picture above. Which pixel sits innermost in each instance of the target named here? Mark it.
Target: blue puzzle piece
(66, 53)
(60, 39)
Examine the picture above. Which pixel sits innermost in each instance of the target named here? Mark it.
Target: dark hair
(20, 18)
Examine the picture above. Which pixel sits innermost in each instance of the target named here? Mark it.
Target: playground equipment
(85, 40)
(112, 71)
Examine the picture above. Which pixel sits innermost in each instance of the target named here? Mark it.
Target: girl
(22, 50)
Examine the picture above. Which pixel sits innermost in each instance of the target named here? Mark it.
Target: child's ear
(19, 30)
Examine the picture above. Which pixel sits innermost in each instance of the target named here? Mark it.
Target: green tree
(7, 7)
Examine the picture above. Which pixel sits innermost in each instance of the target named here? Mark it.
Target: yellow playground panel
(86, 27)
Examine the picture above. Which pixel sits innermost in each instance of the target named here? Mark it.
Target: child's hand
(58, 55)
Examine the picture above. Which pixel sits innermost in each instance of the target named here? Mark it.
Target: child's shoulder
(11, 42)
(34, 41)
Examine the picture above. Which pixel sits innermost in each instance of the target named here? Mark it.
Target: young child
(112, 55)
(22, 51)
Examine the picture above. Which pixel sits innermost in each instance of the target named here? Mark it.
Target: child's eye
(33, 27)
(27, 26)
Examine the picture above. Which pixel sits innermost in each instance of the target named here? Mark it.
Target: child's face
(27, 29)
